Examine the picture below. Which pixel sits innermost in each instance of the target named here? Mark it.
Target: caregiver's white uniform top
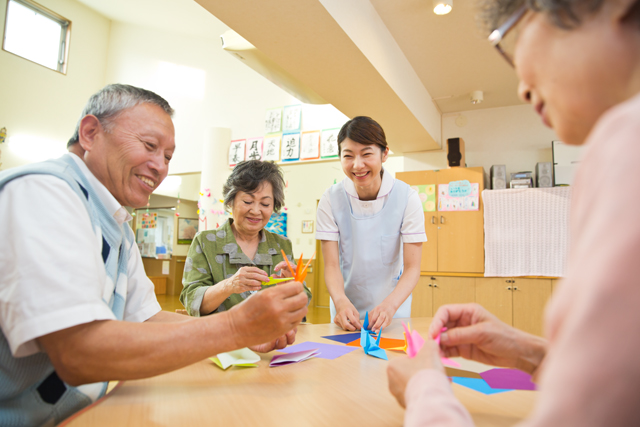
(370, 235)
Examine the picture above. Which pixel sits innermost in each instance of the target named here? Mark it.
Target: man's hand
(268, 315)
(285, 340)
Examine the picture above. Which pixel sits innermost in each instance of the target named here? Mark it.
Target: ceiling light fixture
(442, 7)
(476, 97)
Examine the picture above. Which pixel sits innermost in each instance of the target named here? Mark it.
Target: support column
(215, 170)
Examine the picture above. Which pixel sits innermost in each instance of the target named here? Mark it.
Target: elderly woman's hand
(284, 270)
(245, 279)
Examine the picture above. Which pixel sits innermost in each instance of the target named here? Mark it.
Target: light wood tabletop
(350, 390)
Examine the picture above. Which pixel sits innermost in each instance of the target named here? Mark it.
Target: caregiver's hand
(347, 317)
(401, 369)
(474, 333)
(245, 279)
(381, 316)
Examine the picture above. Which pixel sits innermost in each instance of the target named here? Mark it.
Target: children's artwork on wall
(254, 149)
(273, 120)
(148, 220)
(277, 224)
(271, 148)
(292, 118)
(427, 195)
(307, 226)
(290, 146)
(310, 145)
(187, 229)
(458, 196)
(329, 143)
(236, 152)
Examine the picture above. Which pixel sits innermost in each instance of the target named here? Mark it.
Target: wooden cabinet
(515, 301)
(455, 239)
(431, 292)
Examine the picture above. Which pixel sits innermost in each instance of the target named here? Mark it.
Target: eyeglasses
(498, 38)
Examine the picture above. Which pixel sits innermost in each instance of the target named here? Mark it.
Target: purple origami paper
(344, 338)
(326, 351)
(298, 356)
(508, 378)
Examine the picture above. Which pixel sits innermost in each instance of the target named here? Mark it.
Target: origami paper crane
(301, 273)
(370, 347)
(243, 358)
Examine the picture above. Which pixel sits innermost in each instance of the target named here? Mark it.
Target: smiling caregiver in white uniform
(372, 228)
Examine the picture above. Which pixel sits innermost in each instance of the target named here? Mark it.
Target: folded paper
(371, 347)
(243, 358)
(327, 351)
(298, 356)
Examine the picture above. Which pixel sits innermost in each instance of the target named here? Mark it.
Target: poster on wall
(329, 143)
(236, 152)
(271, 148)
(187, 229)
(458, 196)
(254, 149)
(310, 145)
(292, 120)
(290, 147)
(427, 194)
(273, 120)
(277, 224)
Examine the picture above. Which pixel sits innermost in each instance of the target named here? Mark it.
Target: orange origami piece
(301, 272)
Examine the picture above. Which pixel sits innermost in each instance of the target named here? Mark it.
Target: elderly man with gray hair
(76, 308)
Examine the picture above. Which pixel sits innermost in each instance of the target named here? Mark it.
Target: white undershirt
(52, 274)
(412, 229)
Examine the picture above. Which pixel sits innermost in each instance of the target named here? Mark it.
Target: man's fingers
(462, 335)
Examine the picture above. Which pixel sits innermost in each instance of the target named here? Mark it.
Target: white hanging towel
(526, 231)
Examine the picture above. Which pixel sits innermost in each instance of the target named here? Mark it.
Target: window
(36, 34)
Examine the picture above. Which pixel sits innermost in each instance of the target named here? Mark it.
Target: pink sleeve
(431, 402)
(591, 375)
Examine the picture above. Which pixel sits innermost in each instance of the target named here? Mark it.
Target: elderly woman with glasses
(225, 266)
(579, 66)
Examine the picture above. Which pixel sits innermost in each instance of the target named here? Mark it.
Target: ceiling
(394, 60)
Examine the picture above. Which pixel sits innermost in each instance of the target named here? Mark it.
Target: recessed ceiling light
(442, 7)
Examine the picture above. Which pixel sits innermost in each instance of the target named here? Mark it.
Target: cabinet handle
(430, 285)
(508, 288)
(435, 286)
(515, 288)
(433, 278)
(433, 219)
(441, 219)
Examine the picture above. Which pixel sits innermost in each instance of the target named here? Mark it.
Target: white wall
(205, 85)
(40, 107)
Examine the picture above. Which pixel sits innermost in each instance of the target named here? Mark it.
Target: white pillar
(215, 170)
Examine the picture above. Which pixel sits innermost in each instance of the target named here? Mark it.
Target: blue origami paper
(370, 347)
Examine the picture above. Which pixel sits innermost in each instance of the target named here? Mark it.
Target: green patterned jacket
(215, 255)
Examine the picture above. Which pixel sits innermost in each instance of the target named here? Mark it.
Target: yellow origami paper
(243, 358)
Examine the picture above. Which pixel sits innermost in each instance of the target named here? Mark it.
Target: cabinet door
(461, 234)
(529, 299)
(453, 290)
(495, 294)
(422, 302)
(320, 292)
(429, 260)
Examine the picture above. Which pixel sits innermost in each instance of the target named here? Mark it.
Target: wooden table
(350, 390)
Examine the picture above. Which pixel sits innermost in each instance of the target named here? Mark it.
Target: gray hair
(111, 100)
(248, 176)
(565, 14)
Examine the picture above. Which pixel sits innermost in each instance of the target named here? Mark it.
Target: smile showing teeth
(147, 181)
(360, 174)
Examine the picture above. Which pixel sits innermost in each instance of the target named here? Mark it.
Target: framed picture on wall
(254, 149)
(290, 146)
(187, 229)
(329, 143)
(236, 152)
(273, 120)
(292, 120)
(307, 226)
(271, 150)
(310, 145)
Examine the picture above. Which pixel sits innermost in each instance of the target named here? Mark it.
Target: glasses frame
(500, 33)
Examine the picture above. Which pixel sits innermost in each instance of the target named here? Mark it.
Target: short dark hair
(363, 130)
(565, 14)
(248, 176)
(109, 101)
